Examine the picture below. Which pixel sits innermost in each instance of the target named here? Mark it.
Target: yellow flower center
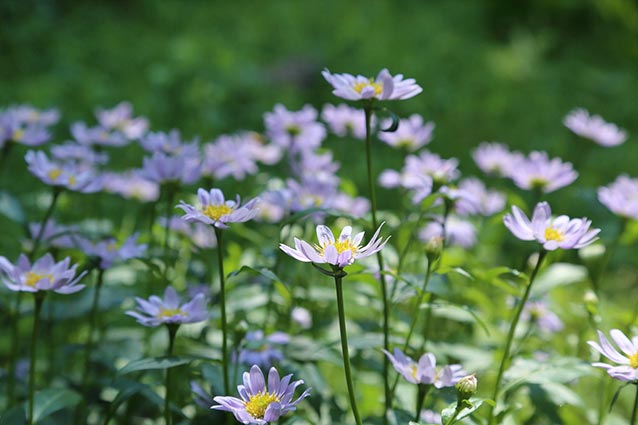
(111, 246)
(258, 404)
(293, 130)
(633, 361)
(169, 312)
(552, 234)
(538, 183)
(54, 174)
(413, 370)
(17, 135)
(72, 181)
(215, 212)
(31, 278)
(378, 87)
(341, 246)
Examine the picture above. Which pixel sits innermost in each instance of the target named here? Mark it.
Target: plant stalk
(38, 300)
(222, 298)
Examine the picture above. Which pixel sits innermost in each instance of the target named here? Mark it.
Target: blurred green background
(491, 70)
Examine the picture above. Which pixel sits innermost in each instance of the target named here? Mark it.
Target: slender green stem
(634, 412)
(222, 298)
(510, 335)
(13, 353)
(88, 348)
(415, 309)
(170, 195)
(604, 262)
(172, 331)
(422, 392)
(344, 348)
(404, 251)
(427, 323)
(456, 414)
(45, 219)
(384, 291)
(38, 300)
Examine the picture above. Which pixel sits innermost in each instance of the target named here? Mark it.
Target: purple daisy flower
(217, 211)
(343, 120)
(294, 130)
(26, 125)
(594, 128)
(43, 275)
(68, 175)
(263, 351)
(260, 404)
(621, 197)
(538, 311)
(157, 311)
(169, 143)
(537, 171)
(383, 87)
(458, 231)
(412, 133)
(341, 252)
(425, 371)
(109, 251)
(628, 359)
(475, 198)
(120, 118)
(131, 185)
(552, 233)
(495, 158)
(162, 168)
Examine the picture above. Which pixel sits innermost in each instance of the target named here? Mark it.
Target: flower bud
(433, 248)
(466, 387)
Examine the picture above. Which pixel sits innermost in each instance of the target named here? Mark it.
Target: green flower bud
(466, 387)
(433, 248)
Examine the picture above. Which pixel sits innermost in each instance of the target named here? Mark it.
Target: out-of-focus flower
(302, 317)
(537, 171)
(108, 251)
(538, 312)
(162, 168)
(120, 118)
(98, 135)
(200, 234)
(355, 207)
(621, 197)
(343, 120)
(131, 185)
(215, 210)
(81, 154)
(475, 198)
(66, 175)
(384, 87)
(43, 275)
(170, 143)
(552, 233)
(26, 125)
(457, 231)
(420, 185)
(237, 155)
(294, 130)
(54, 234)
(157, 311)
(201, 397)
(425, 371)
(442, 171)
(341, 252)
(594, 128)
(412, 133)
(274, 205)
(263, 351)
(627, 370)
(495, 158)
(260, 404)
(430, 417)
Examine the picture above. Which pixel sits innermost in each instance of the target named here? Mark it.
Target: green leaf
(559, 274)
(470, 406)
(262, 271)
(164, 362)
(51, 400)
(15, 416)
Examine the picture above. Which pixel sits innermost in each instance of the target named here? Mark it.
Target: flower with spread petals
(43, 275)
(343, 120)
(594, 128)
(475, 198)
(412, 133)
(55, 234)
(621, 197)
(108, 251)
(340, 252)
(97, 135)
(162, 168)
(538, 311)
(383, 87)
(157, 311)
(294, 130)
(537, 171)
(263, 350)
(68, 175)
(80, 154)
(495, 158)
(120, 118)
(169, 143)
(131, 185)
(213, 209)
(425, 371)
(26, 125)
(458, 231)
(552, 233)
(261, 404)
(627, 368)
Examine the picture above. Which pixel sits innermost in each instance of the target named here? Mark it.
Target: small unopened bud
(433, 248)
(466, 388)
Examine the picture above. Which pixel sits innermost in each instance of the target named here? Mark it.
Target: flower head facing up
(412, 133)
(260, 404)
(425, 371)
(383, 87)
(552, 233)
(215, 210)
(339, 252)
(621, 197)
(43, 275)
(628, 359)
(594, 128)
(157, 311)
(495, 158)
(538, 171)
